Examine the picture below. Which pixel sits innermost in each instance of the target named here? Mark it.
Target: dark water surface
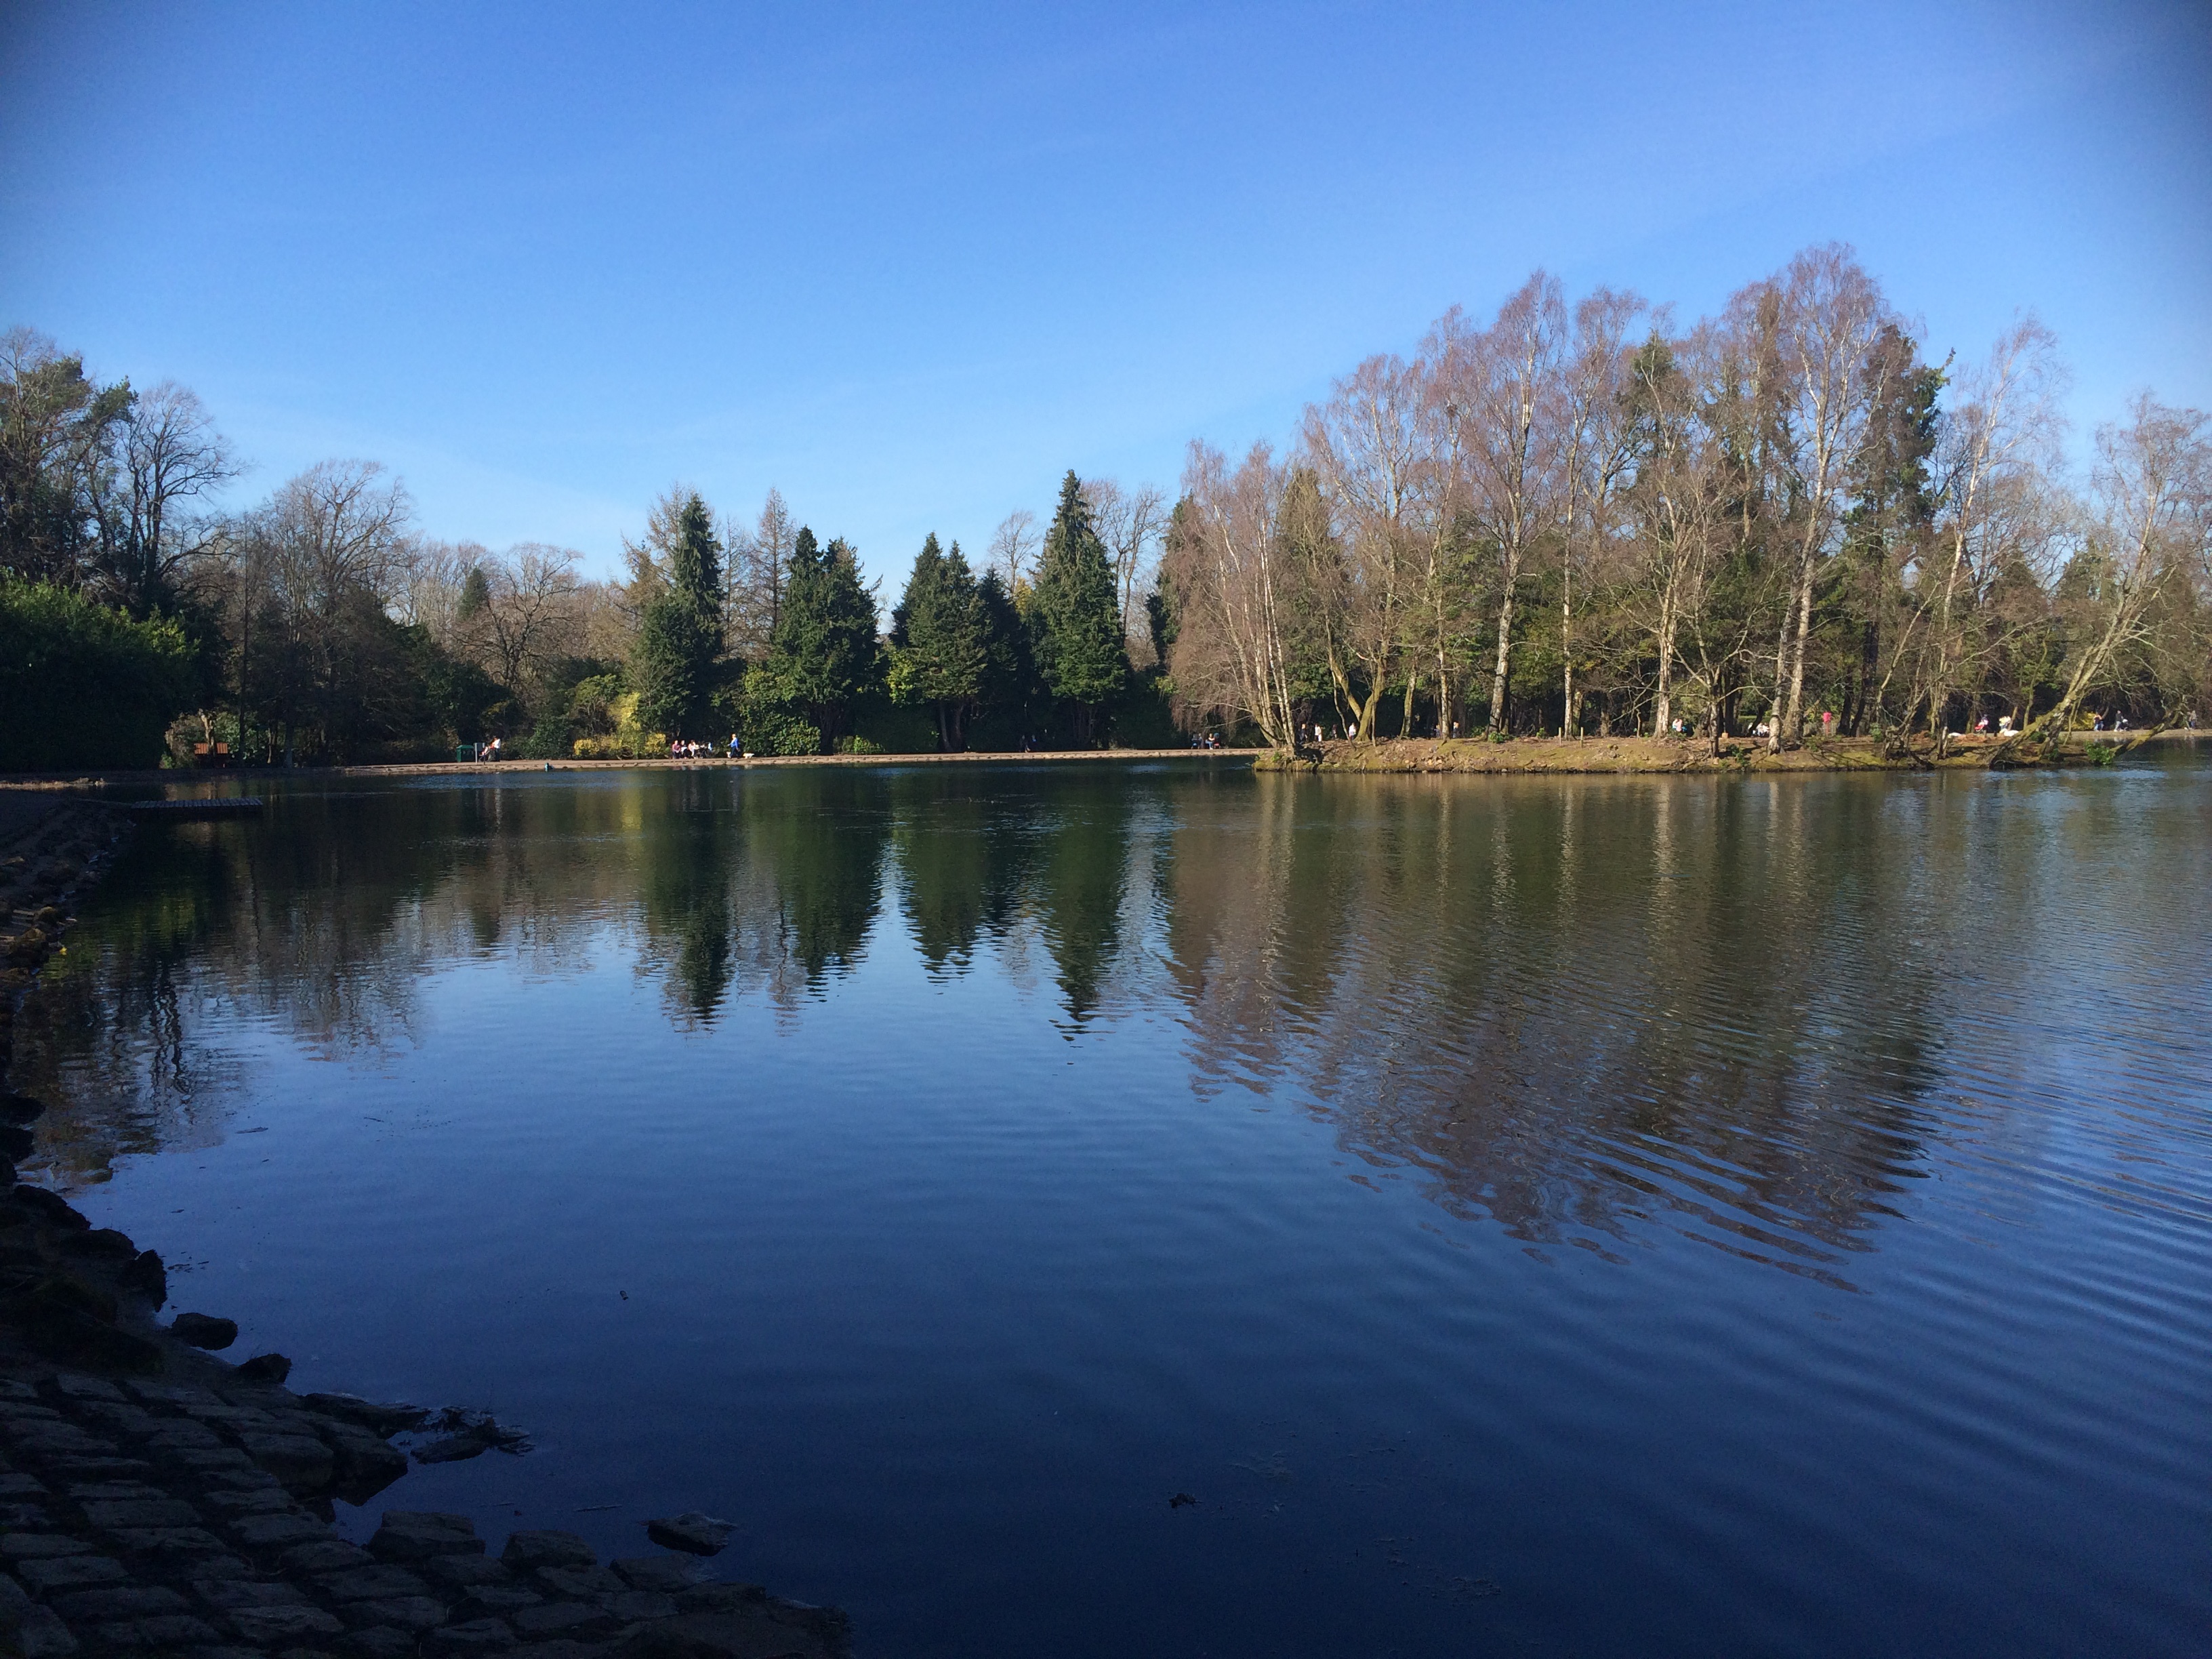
(1531, 1217)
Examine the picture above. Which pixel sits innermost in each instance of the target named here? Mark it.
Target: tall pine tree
(694, 560)
(823, 655)
(679, 633)
(939, 640)
(1010, 691)
(1076, 618)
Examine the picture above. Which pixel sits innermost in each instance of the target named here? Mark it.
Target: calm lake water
(1528, 1216)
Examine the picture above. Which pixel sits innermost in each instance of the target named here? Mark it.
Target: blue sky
(910, 264)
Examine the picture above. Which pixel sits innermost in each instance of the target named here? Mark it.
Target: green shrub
(775, 730)
(591, 705)
(551, 739)
(83, 686)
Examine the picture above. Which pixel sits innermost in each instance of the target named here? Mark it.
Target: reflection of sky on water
(981, 1149)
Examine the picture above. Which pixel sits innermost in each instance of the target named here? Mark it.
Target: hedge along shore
(1664, 756)
(158, 1501)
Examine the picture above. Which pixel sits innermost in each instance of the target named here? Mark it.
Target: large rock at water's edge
(666, 1574)
(302, 1463)
(266, 1368)
(149, 1275)
(51, 1208)
(204, 1330)
(419, 1534)
(367, 1463)
(548, 1549)
(66, 1320)
(369, 1414)
(454, 1449)
(696, 1534)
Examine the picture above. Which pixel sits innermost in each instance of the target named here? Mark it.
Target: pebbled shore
(187, 1511)
(158, 1501)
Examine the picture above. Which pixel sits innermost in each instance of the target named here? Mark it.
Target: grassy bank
(1662, 755)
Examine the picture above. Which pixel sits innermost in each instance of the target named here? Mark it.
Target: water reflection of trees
(326, 918)
(963, 855)
(758, 888)
(1576, 1005)
(1062, 862)
(1080, 880)
(1571, 1007)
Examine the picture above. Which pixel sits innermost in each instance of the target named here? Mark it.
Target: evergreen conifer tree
(1009, 682)
(476, 594)
(823, 655)
(679, 633)
(695, 562)
(939, 640)
(1078, 624)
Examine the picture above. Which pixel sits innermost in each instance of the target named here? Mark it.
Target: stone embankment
(157, 1501)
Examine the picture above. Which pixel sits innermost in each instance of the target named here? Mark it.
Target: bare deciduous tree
(1130, 522)
(533, 618)
(433, 575)
(1998, 438)
(1829, 316)
(1373, 446)
(759, 559)
(169, 456)
(1504, 391)
(1232, 576)
(2152, 491)
(1014, 545)
(1597, 451)
(1679, 502)
(330, 551)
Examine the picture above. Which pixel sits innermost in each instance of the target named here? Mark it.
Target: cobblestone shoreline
(143, 1514)
(156, 1500)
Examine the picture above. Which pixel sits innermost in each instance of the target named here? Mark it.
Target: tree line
(768, 635)
(1583, 519)
(138, 617)
(1586, 519)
